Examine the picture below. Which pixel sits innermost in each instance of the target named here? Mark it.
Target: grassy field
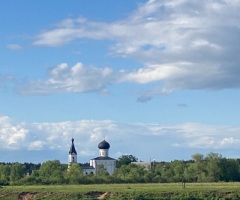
(124, 191)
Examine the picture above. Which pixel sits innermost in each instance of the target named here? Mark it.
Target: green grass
(125, 191)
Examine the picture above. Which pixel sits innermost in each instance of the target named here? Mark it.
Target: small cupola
(103, 148)
(104, 145)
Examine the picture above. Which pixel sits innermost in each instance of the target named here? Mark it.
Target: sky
(158, 79)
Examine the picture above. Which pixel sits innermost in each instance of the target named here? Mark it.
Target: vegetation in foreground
(203, 177)
(210, 168)
(124, 191)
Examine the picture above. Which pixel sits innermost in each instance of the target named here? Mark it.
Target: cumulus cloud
(229, 141)
(36, 145)
(208, 136)
(182, 44)
(123, 137)
(77, 78)
(12, 136)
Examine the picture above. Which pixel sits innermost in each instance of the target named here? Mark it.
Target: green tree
(229, 170)
(51, 172)
(148, 176)
(179, 168)
(168, 172)
(5, 171)
(101, 170)
(159, 171)
(130, 174)
(196, 170)
(213, 166)
(74, 174)
(17, 172)
(125, 160)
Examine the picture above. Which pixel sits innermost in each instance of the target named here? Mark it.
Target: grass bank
(123, 191)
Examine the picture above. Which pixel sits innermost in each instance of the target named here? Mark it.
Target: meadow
(123, 191)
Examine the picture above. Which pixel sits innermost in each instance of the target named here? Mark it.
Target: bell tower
(72, 156)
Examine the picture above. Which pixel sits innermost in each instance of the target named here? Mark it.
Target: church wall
(89, 171)
(110, 165)
(72, 158)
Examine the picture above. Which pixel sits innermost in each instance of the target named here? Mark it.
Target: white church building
(72, 155)
(103, 159)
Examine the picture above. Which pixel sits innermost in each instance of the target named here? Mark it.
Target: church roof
(103, 158)
(87, 167)
(104, 145)
(72, 149)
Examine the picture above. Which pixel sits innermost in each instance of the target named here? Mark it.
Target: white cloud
(87, 134)
(14, 46)
(203, 142)
(11, 135)
(229, 141)
(124, 138)
(182, 44)
(36, 145)
(77, 78)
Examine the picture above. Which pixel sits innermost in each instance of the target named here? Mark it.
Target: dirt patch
(95, 194)
(48, 194)
(26, 196)
(102, 196)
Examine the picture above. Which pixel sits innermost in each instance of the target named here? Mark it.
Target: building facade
(72, 155)
(102, 160)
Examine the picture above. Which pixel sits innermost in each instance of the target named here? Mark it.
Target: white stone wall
(93, 163)
(89, 171)
(109, 165)
(72, 158)
(103, 152)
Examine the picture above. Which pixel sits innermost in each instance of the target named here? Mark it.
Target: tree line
(210, 168)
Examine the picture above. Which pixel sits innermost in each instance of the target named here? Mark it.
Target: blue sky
(158, 79)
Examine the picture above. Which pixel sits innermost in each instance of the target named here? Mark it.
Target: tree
(130, 174)
(101, 170)
(167, 172)
(17, 172)
(125, 160)
(229, 170)
(5, 171)
(213, 166)
(179, 171)
(74, 174)
(196, 170)
(51, 172)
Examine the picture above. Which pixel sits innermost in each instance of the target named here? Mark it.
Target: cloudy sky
(159, 79)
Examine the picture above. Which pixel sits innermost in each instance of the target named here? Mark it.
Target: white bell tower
(72, 156)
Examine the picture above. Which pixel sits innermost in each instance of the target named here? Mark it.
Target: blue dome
(103, 145)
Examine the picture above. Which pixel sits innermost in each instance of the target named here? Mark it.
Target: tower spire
(72, 149)
(72, 156)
